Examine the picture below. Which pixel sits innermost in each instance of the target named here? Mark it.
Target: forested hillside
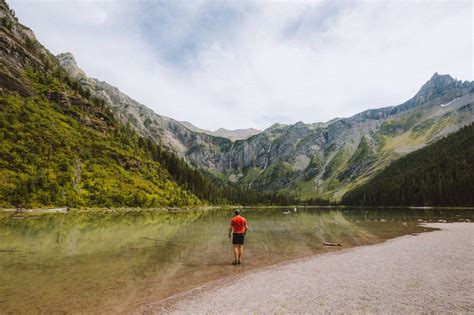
(61, 146)
(439, 174)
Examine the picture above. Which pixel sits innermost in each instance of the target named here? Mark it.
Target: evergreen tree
(441, 174)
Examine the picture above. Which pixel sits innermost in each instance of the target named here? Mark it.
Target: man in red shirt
(238, 228)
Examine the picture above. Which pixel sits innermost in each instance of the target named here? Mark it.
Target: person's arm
(246, 227)
(230, 230)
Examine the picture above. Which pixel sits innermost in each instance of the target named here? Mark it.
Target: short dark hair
(237, 212)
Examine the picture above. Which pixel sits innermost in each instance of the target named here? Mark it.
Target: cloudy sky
(239, 64)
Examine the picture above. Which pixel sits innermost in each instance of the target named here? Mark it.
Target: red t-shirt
(238, 223)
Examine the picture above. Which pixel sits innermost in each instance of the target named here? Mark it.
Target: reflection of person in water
(238, 228)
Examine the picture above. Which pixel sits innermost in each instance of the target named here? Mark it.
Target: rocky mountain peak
(233, 135)
(68, 62)
(438, 81)
(275, 126)
(237, 134)
(442, 86)
(438, 89)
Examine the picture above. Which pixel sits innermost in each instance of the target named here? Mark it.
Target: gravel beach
(429, 272)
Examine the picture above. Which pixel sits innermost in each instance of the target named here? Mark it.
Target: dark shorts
(238, 239)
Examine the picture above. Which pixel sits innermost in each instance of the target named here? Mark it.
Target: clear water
(103, 261)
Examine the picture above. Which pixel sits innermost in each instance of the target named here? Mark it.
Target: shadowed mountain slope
(441, 174)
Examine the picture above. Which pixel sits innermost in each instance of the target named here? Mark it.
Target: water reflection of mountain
(101, 261)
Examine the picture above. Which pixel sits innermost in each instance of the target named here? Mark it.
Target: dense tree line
(202, 186)
(440, 174)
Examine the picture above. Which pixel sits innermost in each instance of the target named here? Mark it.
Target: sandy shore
(430, 272)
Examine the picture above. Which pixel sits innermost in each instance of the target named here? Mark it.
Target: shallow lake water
(118, 261)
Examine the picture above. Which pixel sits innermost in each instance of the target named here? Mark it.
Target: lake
(117, 261)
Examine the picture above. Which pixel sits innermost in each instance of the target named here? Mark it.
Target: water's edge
(165, 304)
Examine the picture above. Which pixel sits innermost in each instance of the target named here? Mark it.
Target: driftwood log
(332, 244)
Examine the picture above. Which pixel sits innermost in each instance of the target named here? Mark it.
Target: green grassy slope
(60, 148)
(439, 174)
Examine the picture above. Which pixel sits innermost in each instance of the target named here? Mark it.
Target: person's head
(237, 212)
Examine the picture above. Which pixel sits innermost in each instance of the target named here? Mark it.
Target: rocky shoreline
(429, 272)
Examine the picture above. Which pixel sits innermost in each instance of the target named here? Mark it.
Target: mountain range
(63, 144)
(324, 159)
(91, 144)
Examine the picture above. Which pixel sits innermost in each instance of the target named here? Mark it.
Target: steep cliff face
(309, 160)
(162, 129)
(19, 50)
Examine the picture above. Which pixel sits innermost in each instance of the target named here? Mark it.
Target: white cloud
(248, 64)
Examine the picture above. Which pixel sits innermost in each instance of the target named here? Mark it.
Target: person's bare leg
(235, 250)
(241, 252)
